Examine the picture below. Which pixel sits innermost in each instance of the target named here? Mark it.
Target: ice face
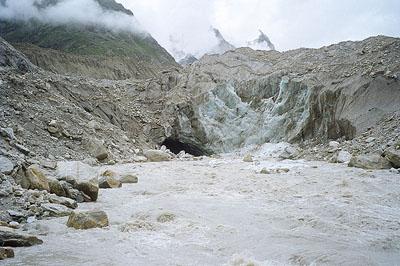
(229, 122)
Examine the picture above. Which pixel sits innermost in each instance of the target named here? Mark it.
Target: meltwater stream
(222, 212)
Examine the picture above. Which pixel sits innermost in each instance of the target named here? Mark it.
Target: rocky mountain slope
(88, 50)
(218, 104)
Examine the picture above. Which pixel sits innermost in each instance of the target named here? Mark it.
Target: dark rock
(12, 239)
(6, 253)
(89, 188)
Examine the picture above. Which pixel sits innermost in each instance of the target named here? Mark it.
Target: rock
(6, 253)
(87, 220)
(334, 144)
(22, 149)
(12, 239)
(56, 187)
(7, 133)
(70, 203)
(369, 140)
(56, 210)
(109, 182)
(14, 224)
(156, 155)
(370, 161)
(128, 179)
(248, 158)
(96, 148)
(393, 156)
(166, 217)
(265, 171)
(89, 188)
(37, 180)
(109, 173)
(139, 159)
(6, 166)
(343, 157)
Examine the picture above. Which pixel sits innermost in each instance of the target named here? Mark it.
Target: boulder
(89, 188)
(248, 158)
(56, 210)
(109, 173)
(6, 253)
(393, 156)
(129, 179)
(56, 188)
(6, 166)
(370, 161)
(36, 178)
(87, 220)
(156, 155)
(96, 148)
(343, 157)
(70, 203)
(12, 239)
(109, 182)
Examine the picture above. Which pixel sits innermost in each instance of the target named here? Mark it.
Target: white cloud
(75, 11)
(290, 24)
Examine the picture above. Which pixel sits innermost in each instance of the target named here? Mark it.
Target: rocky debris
(248, 158)
(157, 155)
(6, 253)
(6, 166)
(57, 188)
(11, 238)
(129, 179)
(87, 220)
(267, 171)
(36, 178)
(370, 161)
(393, 156)
(166, 217)
(97, 149)
(12, 58)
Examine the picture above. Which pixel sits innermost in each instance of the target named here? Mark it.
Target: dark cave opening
(177, 146)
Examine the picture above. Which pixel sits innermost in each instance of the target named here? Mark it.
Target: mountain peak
(262, 42)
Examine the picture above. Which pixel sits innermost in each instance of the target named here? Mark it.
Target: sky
(185, 25)
(290, 24)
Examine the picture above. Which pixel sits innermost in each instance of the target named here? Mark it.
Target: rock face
(87, 220)
(156, 155)
(370, 161)
(13, 58)
(393, 156)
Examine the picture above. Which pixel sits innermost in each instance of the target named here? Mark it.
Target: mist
(290, 24)
(87, 12)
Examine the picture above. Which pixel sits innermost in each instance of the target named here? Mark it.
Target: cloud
(87, 12)
(289, 24)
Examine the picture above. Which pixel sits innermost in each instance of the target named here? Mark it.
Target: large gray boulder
(370, 161)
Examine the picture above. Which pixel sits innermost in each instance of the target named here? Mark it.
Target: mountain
(87, 49)
(222, 46)
(261, 43)
(188, 60)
